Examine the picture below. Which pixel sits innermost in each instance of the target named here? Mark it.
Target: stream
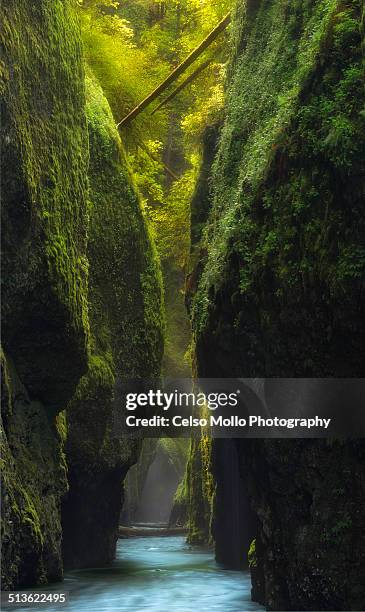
(155, 574)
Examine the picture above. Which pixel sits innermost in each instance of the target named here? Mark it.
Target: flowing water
(156, 574)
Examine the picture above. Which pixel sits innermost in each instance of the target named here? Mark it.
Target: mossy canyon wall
(81, 299)
(126, 340)
(279, 291)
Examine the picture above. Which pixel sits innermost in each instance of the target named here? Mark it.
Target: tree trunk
(190, 78)
(177, 71)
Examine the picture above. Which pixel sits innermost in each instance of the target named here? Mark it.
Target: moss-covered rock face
(199, 212)
(136, 480)
(180, 507)
(45, 328)
(308, 496)
(126, 308)
(126, 322)
(285, 238)
(33, 481)
(281, 292)
(44, 174)
(199, 492)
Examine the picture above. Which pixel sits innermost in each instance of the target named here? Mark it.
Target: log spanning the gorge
(186, 82)
(132, 532)
(177, 71)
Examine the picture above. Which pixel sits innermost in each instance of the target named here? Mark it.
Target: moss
(130, 277)
(45, 184)
(180, 506)
(44, 308)
(30, 517)
(33, 482)
(45, 162)
(252, 559)
(280, 238)
(199, 212)
(176, 362)
(282, 285)
(127, 325)
(61, 425)
(201, 488)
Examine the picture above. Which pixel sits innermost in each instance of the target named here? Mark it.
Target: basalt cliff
(74, 320)
(276, 289)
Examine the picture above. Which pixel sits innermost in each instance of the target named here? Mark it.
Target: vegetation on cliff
(126, 330)
(248, 181)
(33, 480)
(131, 47)
(44, 173)
(281, 268)
(44, 306)
(48, 250)
(282, 242)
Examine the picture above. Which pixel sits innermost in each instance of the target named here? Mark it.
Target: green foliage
(118, 63)
(200, 490)
(207, 109)
(129, 60)
(252, 558)
(33, 480)
(53, 144)
(171, 221)
(148, 171)
(294, 126)
(163, 150)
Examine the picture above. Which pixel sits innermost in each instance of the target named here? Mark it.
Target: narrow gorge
(220, 236)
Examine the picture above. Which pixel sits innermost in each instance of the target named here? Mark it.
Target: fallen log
(176, 72)
(132, 532)
(182, 85)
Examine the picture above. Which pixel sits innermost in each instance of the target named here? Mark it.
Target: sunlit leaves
(131, 46)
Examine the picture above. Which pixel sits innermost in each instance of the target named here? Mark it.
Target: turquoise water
(161, 574)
